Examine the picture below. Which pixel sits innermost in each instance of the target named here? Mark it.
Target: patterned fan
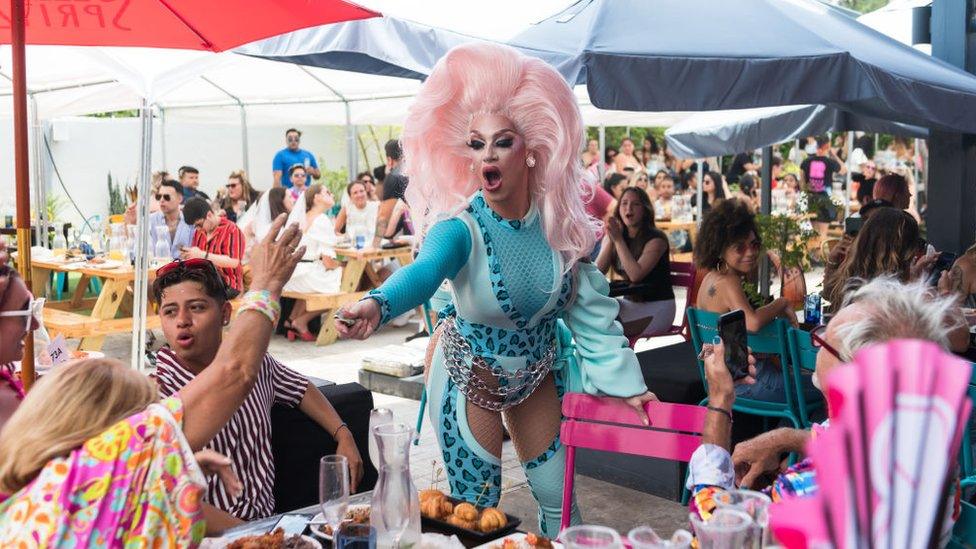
(886, 466)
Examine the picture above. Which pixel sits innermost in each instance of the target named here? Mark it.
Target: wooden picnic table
(90, 327)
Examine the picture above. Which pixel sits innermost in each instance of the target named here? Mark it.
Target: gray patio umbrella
(693, 55)
(718, 133)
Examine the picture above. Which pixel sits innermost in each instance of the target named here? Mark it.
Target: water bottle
(161, 251)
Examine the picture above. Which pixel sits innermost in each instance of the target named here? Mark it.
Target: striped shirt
(227, 240)
(246, 439)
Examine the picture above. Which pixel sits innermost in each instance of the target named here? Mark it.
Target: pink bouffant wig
(486, 78)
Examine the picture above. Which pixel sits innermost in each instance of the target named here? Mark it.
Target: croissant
(492, 519)
(461, 523)
(466, 512)
(431, 507)
(430, 493)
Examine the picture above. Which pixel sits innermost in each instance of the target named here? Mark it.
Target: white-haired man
(881, 310)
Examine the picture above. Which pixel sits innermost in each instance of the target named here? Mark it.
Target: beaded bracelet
(260, 300)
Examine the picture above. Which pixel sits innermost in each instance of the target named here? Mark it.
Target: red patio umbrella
(179, 24)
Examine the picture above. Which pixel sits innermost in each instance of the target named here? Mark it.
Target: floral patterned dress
(136, 484)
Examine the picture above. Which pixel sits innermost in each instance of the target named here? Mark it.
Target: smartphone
(343, 320)
(943, 263)
(852, 225)
(732, 330)
(292, 524)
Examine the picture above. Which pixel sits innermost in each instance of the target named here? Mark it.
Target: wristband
(722, 411)
(261, 301)
(339, 428)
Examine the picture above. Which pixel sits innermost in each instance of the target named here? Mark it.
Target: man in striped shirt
(193, 309)
(217, 240)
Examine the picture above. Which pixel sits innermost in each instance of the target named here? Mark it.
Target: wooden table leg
(352, 274)
(327, 333)
(105, 308)
(80, 291)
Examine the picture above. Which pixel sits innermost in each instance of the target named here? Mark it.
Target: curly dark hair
(208, 277)
(727, 223)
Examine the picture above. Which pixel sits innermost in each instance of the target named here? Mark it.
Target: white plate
(220, 543)
(519, 539)
(320, 519)
(108, 264)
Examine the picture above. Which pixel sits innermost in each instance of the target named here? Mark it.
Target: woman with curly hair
(728, 248)
(638, 252)
(492, 147)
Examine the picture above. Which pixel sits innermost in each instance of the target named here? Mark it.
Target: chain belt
(490, 387)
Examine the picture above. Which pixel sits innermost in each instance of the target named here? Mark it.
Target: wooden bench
(327, 304)
(75, 325)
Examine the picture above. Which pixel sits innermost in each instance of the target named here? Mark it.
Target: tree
(863, 6)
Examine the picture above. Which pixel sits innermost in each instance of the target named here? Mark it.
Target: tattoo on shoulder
(711, 291)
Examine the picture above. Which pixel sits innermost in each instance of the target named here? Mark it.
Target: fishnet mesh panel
(486, 426)
(526, 263)
(534, 423)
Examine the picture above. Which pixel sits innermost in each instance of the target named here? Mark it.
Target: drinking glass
(644, 537)
(333, 489)
(591, 537)
(377, 416)
(726, 529)
(756, 505)
(355, 536)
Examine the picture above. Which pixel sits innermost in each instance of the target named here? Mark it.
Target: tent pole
(21, 166)
(765, 207)
(244, 147)
(162, 136)
(40, 192)
(847, 183)
(600, 169)
(352, 158)
(141, 249)
(701, 176)
(917, 154)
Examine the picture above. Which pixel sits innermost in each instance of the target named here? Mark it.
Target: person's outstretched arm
(214, 396)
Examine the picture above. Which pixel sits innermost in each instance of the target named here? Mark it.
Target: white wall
(88, 149)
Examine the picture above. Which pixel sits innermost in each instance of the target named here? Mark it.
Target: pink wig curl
(487, 78)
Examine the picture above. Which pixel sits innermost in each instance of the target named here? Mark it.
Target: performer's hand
(637, 403)
(365, 315)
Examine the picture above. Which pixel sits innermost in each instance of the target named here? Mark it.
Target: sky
(492, 19)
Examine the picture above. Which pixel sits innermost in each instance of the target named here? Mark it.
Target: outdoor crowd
(97, 450)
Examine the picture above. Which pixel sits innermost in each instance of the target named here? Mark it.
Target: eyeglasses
(293, 139)
(743, 247)
(31, 313)
(232, 185)
(192, 264)
(818, 341)
(164, 197)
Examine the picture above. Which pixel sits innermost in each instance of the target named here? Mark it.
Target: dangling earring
(722, 267)
(530, 161)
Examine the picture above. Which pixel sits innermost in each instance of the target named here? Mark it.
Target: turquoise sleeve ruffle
(442, 254)
(604, 363)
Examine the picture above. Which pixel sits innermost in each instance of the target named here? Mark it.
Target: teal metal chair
(967, 469)
(964, 532)
(803, 356)
(770, 340)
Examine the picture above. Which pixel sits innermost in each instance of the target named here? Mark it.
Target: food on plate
(492, 519)
(455, 520)
(436, 507)
(530, 541)
(431, 493)
(97, 260)
(466, 512)
(537, 541)
(358, 514)
(274, 540)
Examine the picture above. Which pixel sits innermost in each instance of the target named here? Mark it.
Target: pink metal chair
(682, 275)
(608, 425)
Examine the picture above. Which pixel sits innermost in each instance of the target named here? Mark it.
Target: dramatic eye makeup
(476, 144)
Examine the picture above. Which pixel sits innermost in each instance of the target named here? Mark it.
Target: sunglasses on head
(819, 342)
(193, 264)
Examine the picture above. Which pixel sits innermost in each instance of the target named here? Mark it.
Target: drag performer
(491, 145)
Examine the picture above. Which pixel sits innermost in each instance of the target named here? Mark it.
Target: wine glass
(334, 489)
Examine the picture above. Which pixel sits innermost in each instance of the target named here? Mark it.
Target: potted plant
(787, 237)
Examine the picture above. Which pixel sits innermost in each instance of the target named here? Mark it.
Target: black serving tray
(512, 523)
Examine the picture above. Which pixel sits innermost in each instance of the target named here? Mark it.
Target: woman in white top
(318, 271)
(359, 212)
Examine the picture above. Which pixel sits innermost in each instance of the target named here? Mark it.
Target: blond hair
(63, 410)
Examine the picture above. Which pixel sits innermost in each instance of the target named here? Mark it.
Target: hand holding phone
(732, 330)
(343, 320)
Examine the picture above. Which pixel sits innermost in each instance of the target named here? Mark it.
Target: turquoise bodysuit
(509, 291)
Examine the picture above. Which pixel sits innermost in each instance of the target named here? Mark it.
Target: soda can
(811, 309)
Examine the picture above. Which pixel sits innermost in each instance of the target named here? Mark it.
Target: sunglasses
(193, 264)
(232, 185)
(818, 341)
(293, 139)
(743, 247)
(31, 313)
(164, 197)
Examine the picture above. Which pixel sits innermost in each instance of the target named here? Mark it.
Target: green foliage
(335, 181)
(614, 134)
(784, 235)
(863, 6)
(54, 205)
(116, 199)
(131, 113)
